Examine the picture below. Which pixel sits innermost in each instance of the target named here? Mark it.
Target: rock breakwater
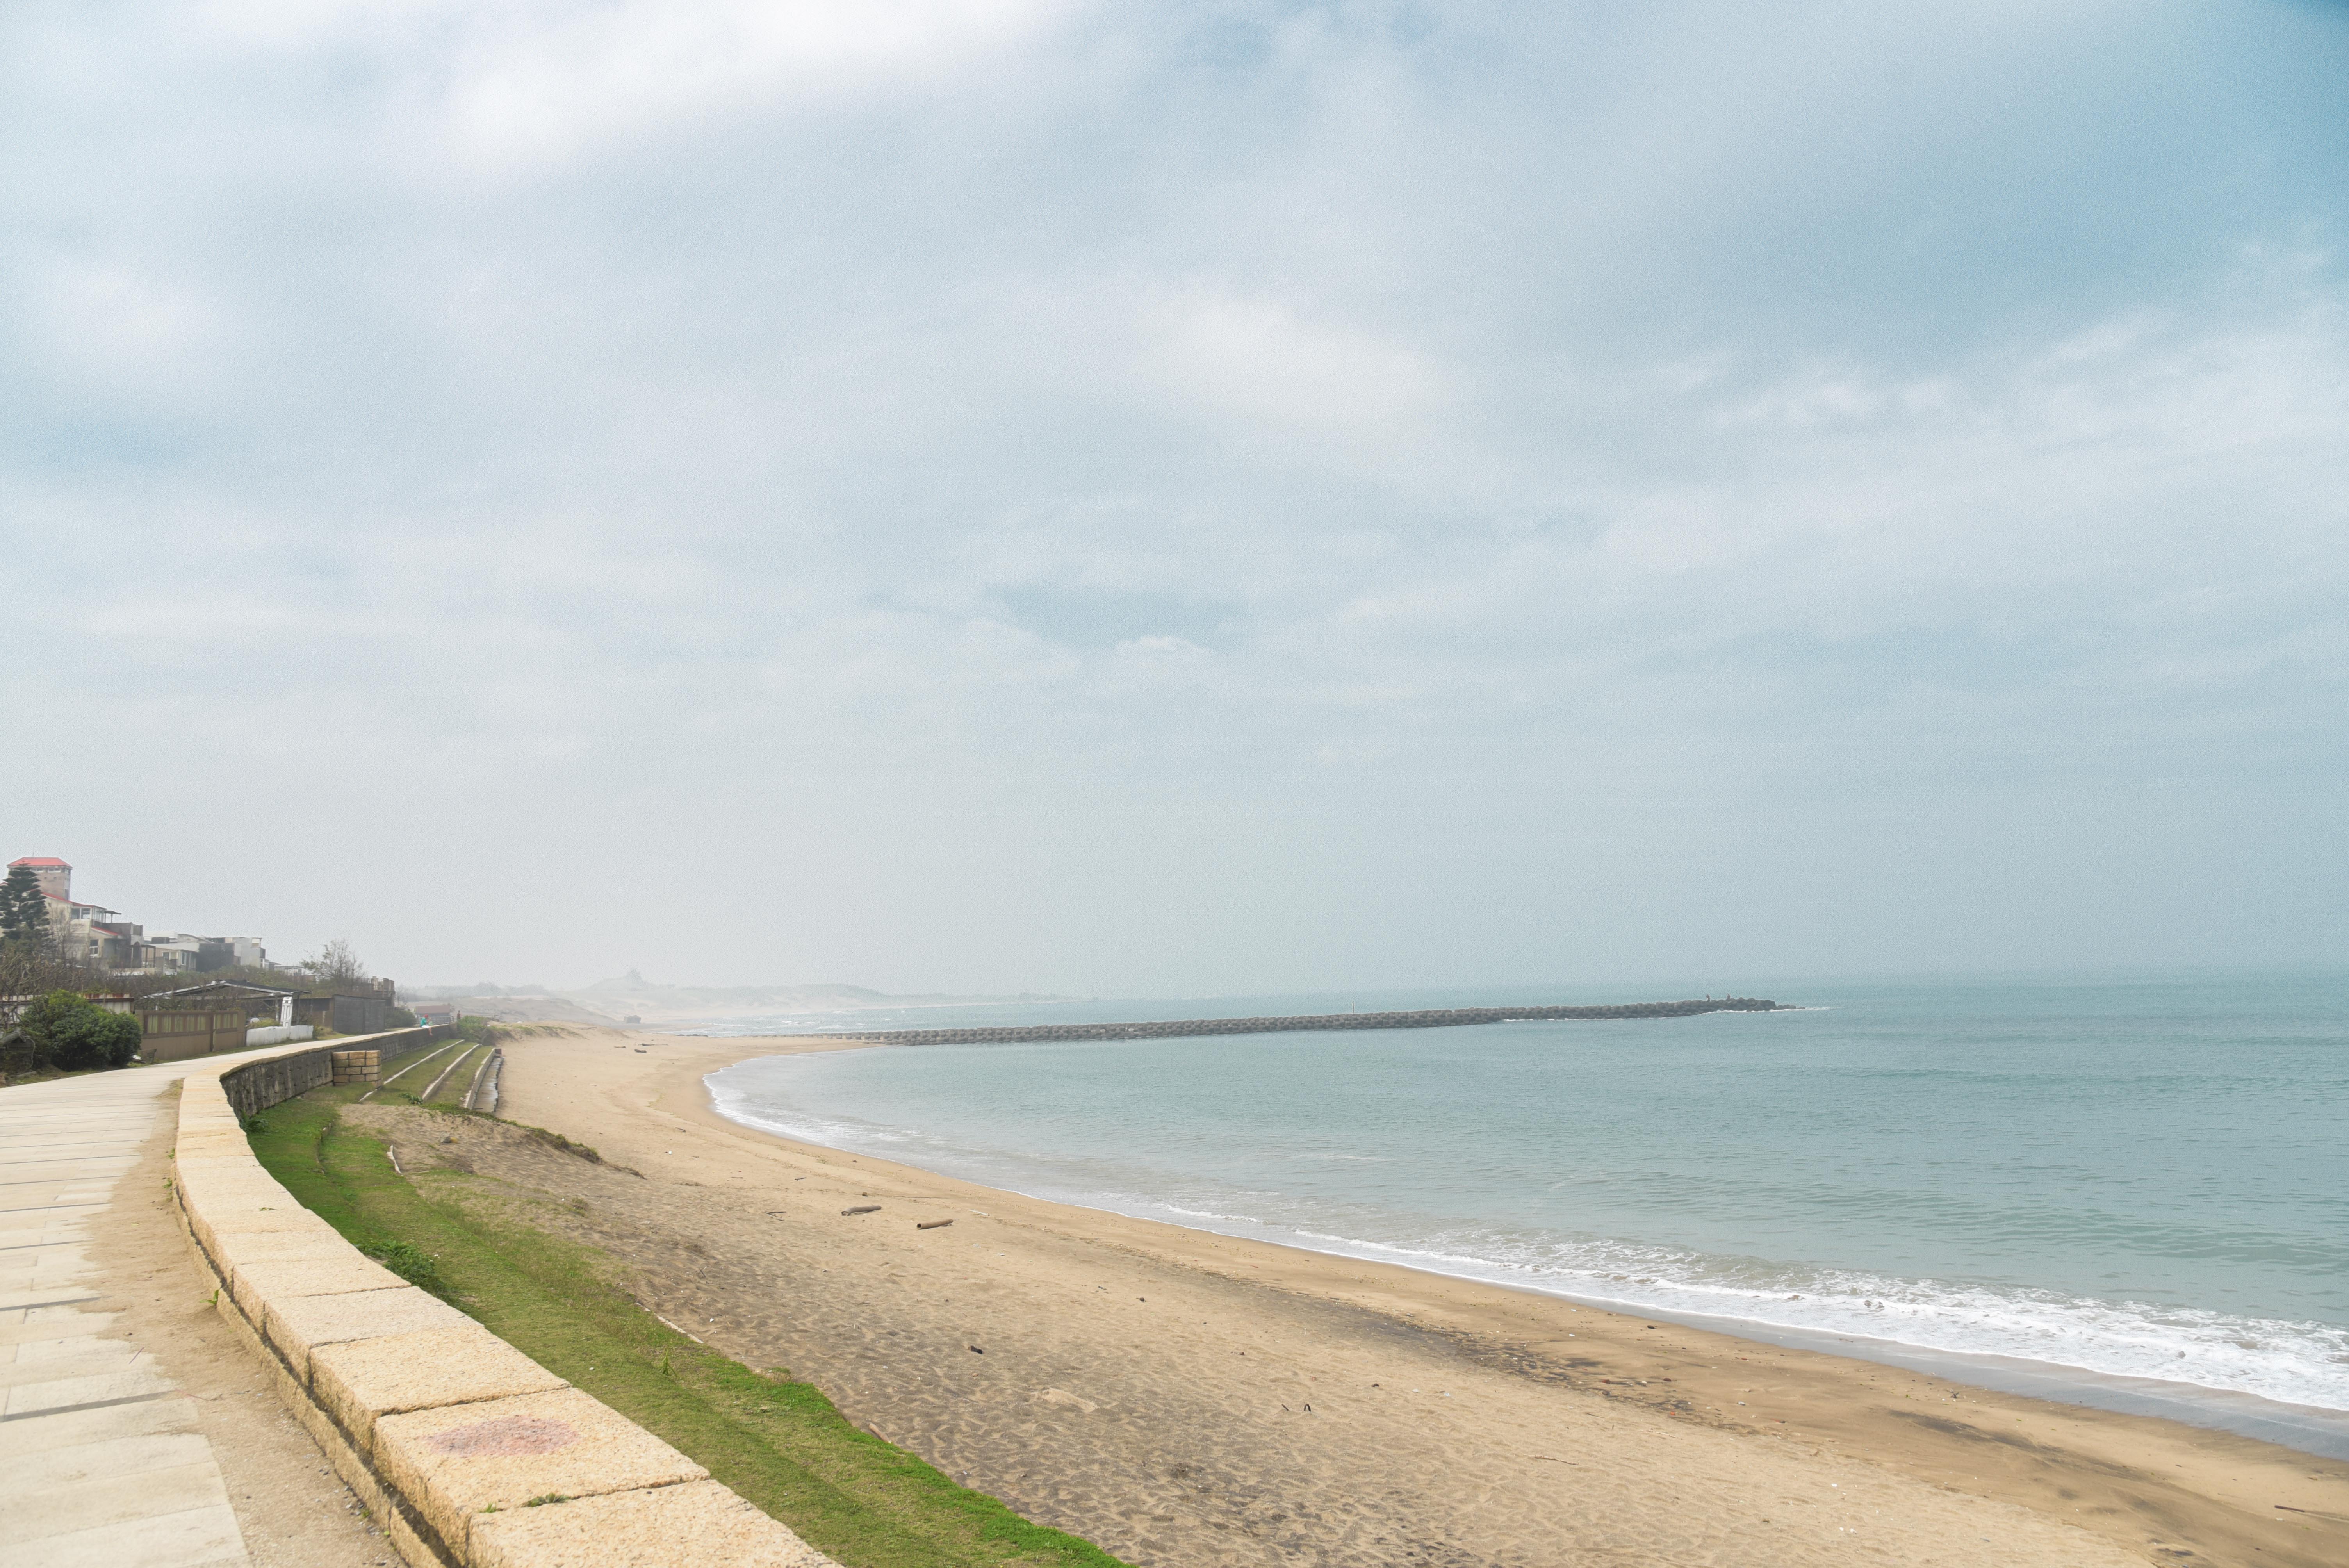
(1430, 1018)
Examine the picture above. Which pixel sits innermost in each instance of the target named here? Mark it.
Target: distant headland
(1428, 1019)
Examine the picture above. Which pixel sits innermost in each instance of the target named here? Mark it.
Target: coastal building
(170, 951)
(262, 1004)
(94, 935)
(54, 875)
(171, 1032)
(350, 1007)
(80, 932)
(185, 952)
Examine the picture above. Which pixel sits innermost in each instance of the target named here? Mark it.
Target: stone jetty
(1430, 1018)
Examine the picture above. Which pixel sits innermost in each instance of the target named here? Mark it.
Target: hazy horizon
(999, 496)
(1507, 993)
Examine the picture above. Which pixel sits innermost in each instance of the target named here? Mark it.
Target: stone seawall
(1430, 1018)
(256, 1084)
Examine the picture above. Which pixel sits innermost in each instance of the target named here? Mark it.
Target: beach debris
(1062, 1397)
(931, 1225)
(974, 1350)
(863, 1209)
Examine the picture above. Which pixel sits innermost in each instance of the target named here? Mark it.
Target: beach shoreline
(1666, 1400)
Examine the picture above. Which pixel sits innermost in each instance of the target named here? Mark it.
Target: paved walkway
(103, 1460)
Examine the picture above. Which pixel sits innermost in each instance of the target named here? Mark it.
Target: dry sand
(1185, 1400)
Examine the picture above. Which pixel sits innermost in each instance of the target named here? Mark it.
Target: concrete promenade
(102, 1458)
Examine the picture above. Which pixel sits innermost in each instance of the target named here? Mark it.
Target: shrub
(73, 1034)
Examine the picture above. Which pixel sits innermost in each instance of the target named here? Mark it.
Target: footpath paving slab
(105, 1465)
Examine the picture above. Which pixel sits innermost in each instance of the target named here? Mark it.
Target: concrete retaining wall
(446, 1432)
(1429, 1018)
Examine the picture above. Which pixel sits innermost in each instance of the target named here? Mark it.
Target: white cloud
(1264, 360)
(593, 73)
(119, 327)
(521, 86)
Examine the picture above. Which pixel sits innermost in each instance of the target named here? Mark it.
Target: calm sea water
(2126, 1189)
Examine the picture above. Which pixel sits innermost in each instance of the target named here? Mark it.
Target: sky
(1161, 500)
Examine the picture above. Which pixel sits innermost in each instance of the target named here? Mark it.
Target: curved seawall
(1429, 1018)
(466, 1453)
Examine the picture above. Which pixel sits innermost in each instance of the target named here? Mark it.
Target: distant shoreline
(1425, 1018)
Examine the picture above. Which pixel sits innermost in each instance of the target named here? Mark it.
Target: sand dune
(1188, 1399)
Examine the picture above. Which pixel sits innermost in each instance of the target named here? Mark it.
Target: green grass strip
(778, 1442)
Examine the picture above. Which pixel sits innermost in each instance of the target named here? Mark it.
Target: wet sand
(1184, 1398)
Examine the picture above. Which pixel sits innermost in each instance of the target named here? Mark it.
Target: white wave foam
(2295, 1363)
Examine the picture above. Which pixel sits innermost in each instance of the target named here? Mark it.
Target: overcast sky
(1151, 498)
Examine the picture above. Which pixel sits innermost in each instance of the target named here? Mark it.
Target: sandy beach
(1184, 1398)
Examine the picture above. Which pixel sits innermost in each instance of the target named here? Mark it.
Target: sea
(2124, 1190)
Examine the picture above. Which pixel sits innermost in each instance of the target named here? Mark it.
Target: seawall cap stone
(254, 1285)
(231, 1192)
(697, 1525)
(455, 1463)
(238, 1249)
(226, 1154)
(211, 1226)
(363, 1382)
(227, 1161)
(299, 1325)
(256, 1246)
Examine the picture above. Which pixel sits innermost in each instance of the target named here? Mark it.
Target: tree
(28, 973)
(335, 964)
(24, 910)
(73, 1033)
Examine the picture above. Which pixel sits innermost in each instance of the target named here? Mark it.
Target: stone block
(279, 1246)
(256, 1284)
(696, 1524)
(296, 1326)
(456, 1463)
(222, 1185)
(222, 1140)
(192, 1165)
(362, 1381)
(212, 1220)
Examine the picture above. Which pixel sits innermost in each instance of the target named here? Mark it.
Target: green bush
(73, 1033)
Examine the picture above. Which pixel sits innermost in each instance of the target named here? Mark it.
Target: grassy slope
(779, 1443)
